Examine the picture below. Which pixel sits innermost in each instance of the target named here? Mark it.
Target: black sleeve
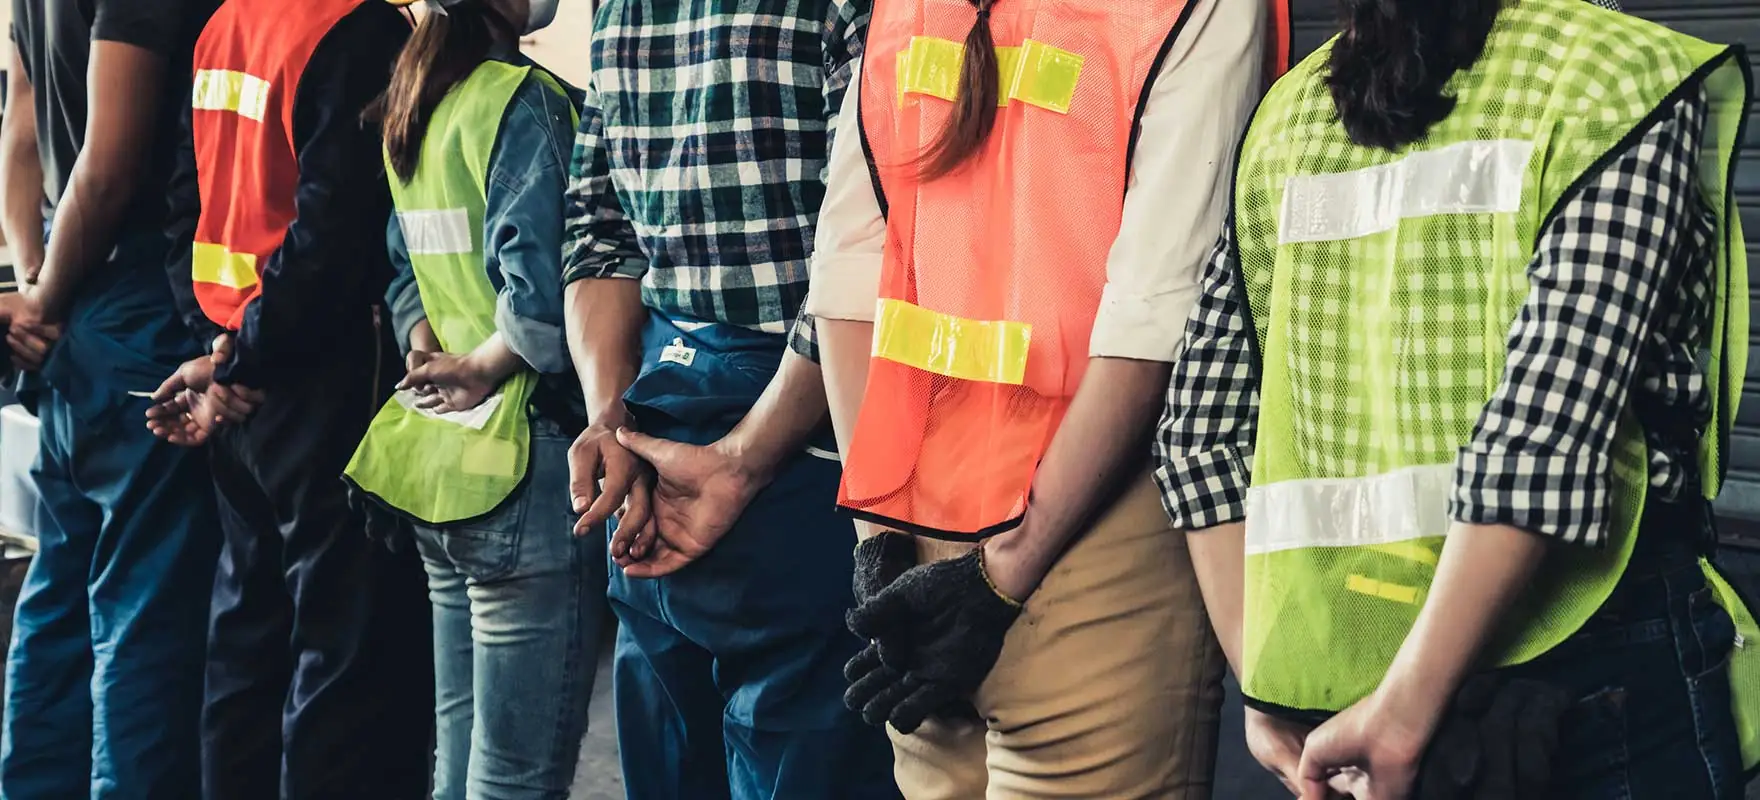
(185, 199)
(156, 25)
(333, 262)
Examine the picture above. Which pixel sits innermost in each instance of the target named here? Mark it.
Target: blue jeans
(104, 678)
(1650, 672)
(729, 673)
(519, 602)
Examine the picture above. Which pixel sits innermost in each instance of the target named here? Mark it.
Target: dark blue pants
(1650, 672)
(104, 678)
(729, 673)
(320, 663)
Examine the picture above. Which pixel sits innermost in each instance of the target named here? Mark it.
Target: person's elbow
(542, 345)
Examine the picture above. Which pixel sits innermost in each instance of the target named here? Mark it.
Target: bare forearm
(124, 82)
(604, 320)
(844, 348)
(1483, 569)
(496, 361)
(785, 416)
(1102, 443)
(1219, 558)
(21, 207)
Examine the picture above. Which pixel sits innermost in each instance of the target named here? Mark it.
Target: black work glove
(934, 635)
(879, 562)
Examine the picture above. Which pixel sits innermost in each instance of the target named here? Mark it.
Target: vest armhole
(868, 149)
(1234, 241)
(1154, 74)
(1636, 133)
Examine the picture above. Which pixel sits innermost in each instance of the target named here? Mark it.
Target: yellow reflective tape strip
(1034, 73)
(1410, 551)
(1386, 591)
(968, 349)
(212, 263)
(1008, 68)
(1047, 76)
(229, 90)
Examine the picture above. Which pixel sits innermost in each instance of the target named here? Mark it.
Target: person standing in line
(104, 675)
(1454, 402)
(696, 181)
(476, 141)
(319, 656)
(993, 373)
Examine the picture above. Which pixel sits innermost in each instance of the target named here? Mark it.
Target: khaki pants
(1109, 686)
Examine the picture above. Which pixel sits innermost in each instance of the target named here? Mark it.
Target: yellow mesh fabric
(1383, 287)
(469, 464)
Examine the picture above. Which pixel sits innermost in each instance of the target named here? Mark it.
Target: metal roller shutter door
(1714, 20)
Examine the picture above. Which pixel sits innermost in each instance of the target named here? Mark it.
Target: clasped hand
(28, 335)
(446, 383)
(934, 633)
(190, 405)
(673, 501)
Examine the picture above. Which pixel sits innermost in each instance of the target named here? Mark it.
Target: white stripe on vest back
(1480, 177)
(436, 233)
(1398, 506)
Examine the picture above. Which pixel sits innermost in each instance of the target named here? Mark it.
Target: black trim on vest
(868, 149)
(1234, 246)
(1179, 25)
(933, 533)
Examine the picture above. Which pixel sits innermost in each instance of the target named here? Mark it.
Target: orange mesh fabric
(1021, 234)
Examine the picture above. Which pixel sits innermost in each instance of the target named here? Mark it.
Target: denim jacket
(522, 231)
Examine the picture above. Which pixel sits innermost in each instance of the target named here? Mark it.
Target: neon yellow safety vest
(1383, 286)
(442, 469)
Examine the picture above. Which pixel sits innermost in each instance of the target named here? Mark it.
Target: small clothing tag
(678, 353)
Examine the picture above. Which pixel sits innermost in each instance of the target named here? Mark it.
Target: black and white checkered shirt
(699, 166)
(1617, 314)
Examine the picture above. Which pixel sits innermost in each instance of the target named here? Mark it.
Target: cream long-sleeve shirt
(1176, 197)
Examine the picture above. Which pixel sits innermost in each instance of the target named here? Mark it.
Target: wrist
(751, 462)
(1412, 702)
(1014, 563)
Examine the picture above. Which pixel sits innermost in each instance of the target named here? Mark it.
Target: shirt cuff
(602, 268)
(1207, 488)
(1559, 495)
(1143, 327)
(540, 344)
(803, 339)
(845, 286)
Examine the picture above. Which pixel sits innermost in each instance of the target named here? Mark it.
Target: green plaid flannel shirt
(699, 164)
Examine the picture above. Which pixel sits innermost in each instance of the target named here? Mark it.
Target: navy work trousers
(104, 678)
(320, 662)
(729, 673)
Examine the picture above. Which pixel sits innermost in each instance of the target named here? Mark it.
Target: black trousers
(320, 667)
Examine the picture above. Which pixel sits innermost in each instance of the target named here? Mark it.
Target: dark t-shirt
(54, 40)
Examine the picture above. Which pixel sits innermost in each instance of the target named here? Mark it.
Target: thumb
(880, 615)
(171, 388)
(650, 449)
(1323, 754)
(222, 349)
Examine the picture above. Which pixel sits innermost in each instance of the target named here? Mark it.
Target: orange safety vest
(992, 275)
(248, 64)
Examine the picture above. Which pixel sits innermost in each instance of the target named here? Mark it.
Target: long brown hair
(445, 48)
(1390, 69)
(974, 108)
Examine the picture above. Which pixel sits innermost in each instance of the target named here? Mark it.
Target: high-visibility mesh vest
(248, 65)
(987, 294)
(448, 468)
(1383, 286)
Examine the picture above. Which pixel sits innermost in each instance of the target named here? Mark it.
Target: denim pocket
(1714, 632)
(487, 549)
(1594, 751)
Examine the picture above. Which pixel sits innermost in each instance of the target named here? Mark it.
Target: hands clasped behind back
(935, 632)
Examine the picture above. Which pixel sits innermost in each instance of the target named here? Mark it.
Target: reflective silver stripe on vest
(436, 233)
(1483, 177)
(1398, 506)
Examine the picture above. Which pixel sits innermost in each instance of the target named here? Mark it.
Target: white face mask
(540, 13)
